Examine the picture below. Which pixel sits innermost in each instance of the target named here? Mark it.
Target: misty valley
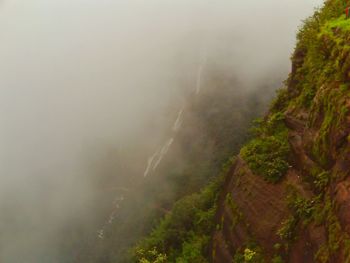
(174, 131)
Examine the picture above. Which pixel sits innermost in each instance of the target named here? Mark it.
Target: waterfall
(150, 163)
(178, 121)
(163, 152)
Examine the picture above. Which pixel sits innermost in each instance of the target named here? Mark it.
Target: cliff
(287, 196)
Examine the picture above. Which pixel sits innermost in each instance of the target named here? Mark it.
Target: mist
(81, 79)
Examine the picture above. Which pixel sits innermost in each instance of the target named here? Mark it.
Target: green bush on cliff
(322, 180)
(332, 106)
(192, 250)
(326, 215)
(287, 229)
(302, 211)
(151, 256)
(316, 57)
(321, 76)
(267, 154)
(267, 157)
(250, 254)
(183, 235)
(277, 259)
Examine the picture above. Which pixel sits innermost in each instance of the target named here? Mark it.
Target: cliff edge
(287, 196)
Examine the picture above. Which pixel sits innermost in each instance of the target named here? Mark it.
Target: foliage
(192, 251)
(249, 254)
(151, 256)
(319, 210)
(302, 210)
(237, 214)
(183, 234)
(287, 230)
(277, 259)
(267, 154)
(341, 22)
(318, 89)
(322, 180)
(301, 207)
(320, 78)
(336, 238)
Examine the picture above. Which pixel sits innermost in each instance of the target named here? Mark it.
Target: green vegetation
(151, 256)
(280, 103)
(287, 230)
(318, 91)
(322, 180)
(336, 238)
(303, 211)
(301, 207)
(183, 234)
(320, 211)
(339, 23)
(320, 51)
(320, 78)
(277, 259)
(331, 104)
(237, 215)
(267, 154)
(251, 253)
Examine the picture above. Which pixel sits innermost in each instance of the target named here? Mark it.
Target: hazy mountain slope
(287, 197)
(214, 125)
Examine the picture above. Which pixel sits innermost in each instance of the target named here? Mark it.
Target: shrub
(302, 210)
(151, 256)
(322, 180)
(267, 157)
(192, 250)
(301, 207)
(267, 154)
(277, 259)
(183, 234)
(250, 254)
(287, 230)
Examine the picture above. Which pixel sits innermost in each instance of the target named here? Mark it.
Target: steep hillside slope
(287, 196)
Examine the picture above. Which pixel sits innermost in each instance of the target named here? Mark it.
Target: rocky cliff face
(287, 197)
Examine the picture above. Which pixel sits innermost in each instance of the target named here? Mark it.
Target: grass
(341, 22)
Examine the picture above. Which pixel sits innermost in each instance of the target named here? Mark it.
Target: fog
(81, 78)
